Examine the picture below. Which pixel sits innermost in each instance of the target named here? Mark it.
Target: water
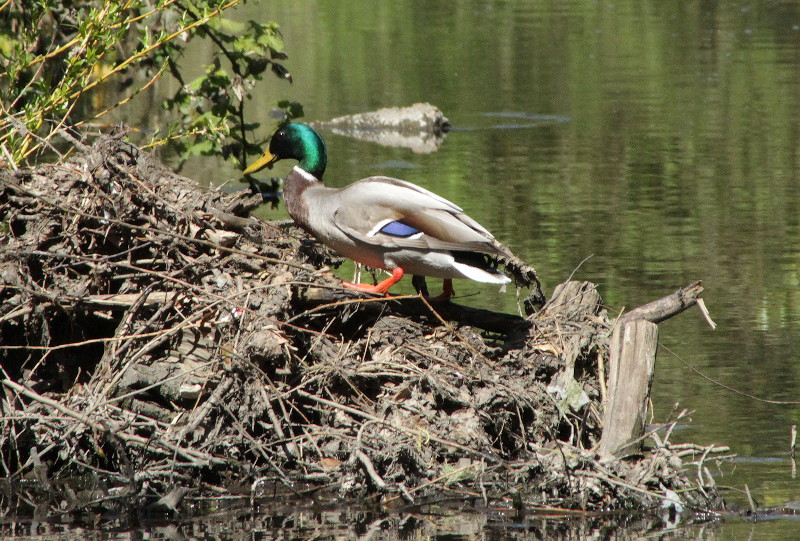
(658, 139)
(437, 524)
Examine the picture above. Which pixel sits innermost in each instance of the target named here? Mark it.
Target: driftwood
(632, 367)
(420, 127)
(666, 307)
(159, 344)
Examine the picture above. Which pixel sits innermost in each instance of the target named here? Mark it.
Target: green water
(659, 139)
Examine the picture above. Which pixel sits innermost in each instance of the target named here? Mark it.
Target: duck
(382, 222)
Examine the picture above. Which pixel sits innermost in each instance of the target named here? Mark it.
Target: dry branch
(666, 307)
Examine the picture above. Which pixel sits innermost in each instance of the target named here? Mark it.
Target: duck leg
(447, 291)
(422, 287)
(382, 287)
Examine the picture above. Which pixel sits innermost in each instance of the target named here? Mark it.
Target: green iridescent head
(298, 142)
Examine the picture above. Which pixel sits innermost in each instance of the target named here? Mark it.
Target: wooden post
(632, 363)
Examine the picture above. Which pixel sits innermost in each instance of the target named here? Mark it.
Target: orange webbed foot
(381, 288)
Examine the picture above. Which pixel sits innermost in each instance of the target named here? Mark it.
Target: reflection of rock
(420, 127)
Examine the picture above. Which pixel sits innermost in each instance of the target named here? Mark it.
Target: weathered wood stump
(632, 360)
(632, 365)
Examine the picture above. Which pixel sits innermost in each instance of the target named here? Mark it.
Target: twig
(750, 500)
(701, 304)
(199, 414)
(448, 475)
(380, 484)
(98, 427)
(190, 454)
(700, 481)
(150, 229)
(387, 424)
(452, 331)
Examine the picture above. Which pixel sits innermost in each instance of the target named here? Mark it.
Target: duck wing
(393, 213)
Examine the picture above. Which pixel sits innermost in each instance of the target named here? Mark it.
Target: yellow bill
(264, 161)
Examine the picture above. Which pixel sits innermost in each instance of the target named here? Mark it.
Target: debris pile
(158, 342)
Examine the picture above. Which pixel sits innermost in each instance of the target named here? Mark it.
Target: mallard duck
(381, 222)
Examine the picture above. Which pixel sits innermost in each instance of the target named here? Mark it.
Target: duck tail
(485, 274)
(524, 275)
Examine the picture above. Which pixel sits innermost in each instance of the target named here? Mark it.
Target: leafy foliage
(53, 53)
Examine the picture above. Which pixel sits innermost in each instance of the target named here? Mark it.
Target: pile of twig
(156, 340)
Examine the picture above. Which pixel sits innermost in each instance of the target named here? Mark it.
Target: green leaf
(226, 27)
(292, 109)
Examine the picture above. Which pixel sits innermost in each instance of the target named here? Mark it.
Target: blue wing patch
(398, 229)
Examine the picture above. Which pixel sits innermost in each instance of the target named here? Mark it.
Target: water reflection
(421, 143)
(275, 520)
